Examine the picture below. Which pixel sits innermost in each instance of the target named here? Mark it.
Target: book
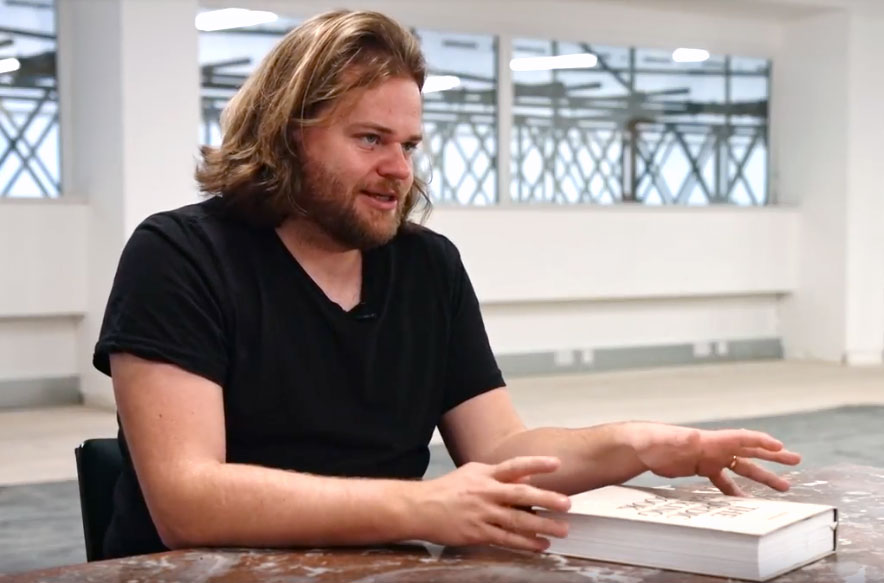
(706, 533)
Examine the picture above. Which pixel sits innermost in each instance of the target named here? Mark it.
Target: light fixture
(575, 61)
(434, 83)
(9, 65)
(228, 18)
(690, 55)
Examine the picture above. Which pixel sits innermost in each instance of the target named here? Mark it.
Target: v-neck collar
(368, 288)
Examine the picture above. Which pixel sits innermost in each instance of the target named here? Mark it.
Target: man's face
(357, 166)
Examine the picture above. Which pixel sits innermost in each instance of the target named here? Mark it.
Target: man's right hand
(487, 504)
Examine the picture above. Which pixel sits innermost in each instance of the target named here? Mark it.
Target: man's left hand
(672, 451)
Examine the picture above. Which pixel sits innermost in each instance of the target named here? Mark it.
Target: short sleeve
(471, 366)
(165, 304)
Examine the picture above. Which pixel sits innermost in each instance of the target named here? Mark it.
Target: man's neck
(334, 268)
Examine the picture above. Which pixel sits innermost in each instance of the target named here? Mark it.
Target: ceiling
(780, 10)
(770, 10)
(777, 10)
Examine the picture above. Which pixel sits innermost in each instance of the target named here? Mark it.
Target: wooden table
(857, 491)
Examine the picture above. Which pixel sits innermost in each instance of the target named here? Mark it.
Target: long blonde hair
(258, 168)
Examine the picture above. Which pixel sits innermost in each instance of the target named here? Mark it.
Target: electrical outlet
(563, 357)
(702, 349)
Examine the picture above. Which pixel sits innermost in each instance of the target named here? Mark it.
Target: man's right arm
(174, 426)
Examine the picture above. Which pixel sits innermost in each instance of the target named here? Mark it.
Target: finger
(518, 467)
(513, 540)
(527, 523)
(726, 484)
(747, 438)
(784, 456)
(758, 474)
(528, 496)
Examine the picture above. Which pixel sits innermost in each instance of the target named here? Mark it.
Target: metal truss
(28, 122)
(569, 146)
(556, 161)
(645, 147)
(25, 123)
(715, 159)
(461, 143)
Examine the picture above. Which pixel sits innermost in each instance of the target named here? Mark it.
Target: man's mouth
(382, 196)
(384, 201)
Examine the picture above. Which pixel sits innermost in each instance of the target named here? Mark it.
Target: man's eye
(371, 139)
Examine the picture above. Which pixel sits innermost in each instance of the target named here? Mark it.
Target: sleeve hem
(142, 348)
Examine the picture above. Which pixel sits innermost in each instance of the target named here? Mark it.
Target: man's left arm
(488, 429)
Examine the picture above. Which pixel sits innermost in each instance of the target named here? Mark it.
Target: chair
(99, 463)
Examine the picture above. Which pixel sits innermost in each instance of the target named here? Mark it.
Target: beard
(330, 204)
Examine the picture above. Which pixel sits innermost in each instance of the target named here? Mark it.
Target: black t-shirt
(307, 386)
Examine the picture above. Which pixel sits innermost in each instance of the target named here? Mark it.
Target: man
(282, 352)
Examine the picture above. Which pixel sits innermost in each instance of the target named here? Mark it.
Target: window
(29, 128)
(590, 123)
(460, 117)
(227, 57)
(600, 124)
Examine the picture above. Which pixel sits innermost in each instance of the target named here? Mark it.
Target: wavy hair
(257, 169)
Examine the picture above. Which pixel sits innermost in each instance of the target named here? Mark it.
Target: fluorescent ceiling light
(434, 83)
(9, 65)
(232, 18)
(690, 55)
(576, 61)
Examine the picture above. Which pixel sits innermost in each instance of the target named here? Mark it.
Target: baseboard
(100, 400)
(51, 392)
(631, 357)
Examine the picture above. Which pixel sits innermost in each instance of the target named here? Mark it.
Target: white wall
(810, 83)
(603, 253)
(864, 334)
(42, 258)
(520, 327)
(38, 348)
(554, 278)
(829, 154)
(130, 101)
(43, 294)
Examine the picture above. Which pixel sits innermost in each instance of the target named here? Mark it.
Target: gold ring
(733, 463)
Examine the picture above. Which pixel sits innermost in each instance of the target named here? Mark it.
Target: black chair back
(99, 463)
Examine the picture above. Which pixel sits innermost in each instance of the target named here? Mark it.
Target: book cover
(751, 516)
